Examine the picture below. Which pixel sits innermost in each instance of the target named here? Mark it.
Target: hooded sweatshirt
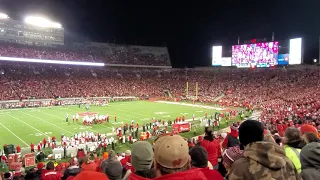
(263, 160)
(310, 161)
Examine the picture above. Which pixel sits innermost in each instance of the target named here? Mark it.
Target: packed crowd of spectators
(282, 144)
(277, 93)
(249, 151)
(113, 54)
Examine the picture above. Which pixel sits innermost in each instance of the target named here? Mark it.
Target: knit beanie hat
(250, 131)
(199, 157)
(142, 155)
(231, 155)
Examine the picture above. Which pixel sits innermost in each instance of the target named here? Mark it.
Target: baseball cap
(171, 151)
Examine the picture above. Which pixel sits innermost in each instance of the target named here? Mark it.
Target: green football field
(31, 125)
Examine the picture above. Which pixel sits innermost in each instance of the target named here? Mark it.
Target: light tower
(41, 22)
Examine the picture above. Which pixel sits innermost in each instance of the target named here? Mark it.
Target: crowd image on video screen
(263, 54)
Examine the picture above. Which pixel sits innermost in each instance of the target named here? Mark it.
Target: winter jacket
(51, 175)
(310, 162)
(213, 148)
(263, 160)
(192, 174)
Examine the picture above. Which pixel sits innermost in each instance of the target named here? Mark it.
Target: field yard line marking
(48, 123)
(28, 125)
(14, 134)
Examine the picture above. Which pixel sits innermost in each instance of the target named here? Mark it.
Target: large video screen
(283, 59)
(295, 51)
(226, 61)
(216, 55)
(255, 55)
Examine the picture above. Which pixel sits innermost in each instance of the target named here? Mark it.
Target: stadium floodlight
(77, 63)
(3, 16)
(315, 60)
(41, 22)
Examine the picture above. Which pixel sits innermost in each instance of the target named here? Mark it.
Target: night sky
(187, 28)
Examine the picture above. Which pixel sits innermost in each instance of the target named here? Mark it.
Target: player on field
(115, 118)
(132, 121)
(67, 116)
(73, 118)
(32, 147)
(77, 117)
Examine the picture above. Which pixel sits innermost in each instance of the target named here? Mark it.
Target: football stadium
(80, 109)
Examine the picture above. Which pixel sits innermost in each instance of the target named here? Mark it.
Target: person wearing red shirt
(32, 147)
(147, 134)
(44, 142)
(39, 147)
(212, 146)
(4, 161)
(88, 165)
(18, 149)
(280, 130)
(115, 118)
(231, 139)
(50, 173)
(126, 161)
(53, 140)
(137, 126)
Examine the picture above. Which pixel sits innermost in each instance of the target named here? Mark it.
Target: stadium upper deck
(106, 53)
(25, 40)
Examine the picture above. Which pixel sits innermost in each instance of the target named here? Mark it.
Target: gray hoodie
(310, 161)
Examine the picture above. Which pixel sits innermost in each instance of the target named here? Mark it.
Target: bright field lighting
(51, 61)
(3, 16)
(41, 22)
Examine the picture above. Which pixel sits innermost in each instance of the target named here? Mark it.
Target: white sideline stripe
(14, 134)
(49, 123)
(192, 105)
(28, 125)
